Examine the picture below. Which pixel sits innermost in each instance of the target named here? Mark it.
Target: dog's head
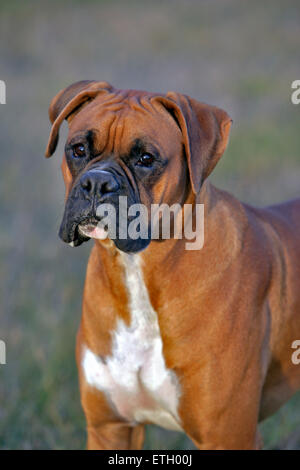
(146, 147)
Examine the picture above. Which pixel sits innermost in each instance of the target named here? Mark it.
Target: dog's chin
(132, 246)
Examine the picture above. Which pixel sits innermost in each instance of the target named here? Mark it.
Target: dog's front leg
(105, 429)
(216, 414)
(115, 436)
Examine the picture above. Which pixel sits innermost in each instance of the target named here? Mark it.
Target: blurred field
(242, 56)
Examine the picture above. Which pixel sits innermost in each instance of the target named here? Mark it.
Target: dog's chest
(134, 377)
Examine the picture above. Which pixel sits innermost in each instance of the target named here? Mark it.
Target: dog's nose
(98, 182)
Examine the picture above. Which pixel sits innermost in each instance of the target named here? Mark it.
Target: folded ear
(205, 131)
(68, 101)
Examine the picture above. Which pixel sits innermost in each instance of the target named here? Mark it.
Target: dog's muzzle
(81, 220)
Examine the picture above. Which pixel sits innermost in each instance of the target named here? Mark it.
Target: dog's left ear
(205, 131)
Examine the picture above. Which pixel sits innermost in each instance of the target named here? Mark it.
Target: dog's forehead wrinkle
(115, 119)
(120, 100)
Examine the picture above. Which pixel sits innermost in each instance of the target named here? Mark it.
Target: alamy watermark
(2, 92)
(296, 354)
(2, 352)
(295, 96)
(161, 222)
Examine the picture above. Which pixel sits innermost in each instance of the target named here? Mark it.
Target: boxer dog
(195, 341)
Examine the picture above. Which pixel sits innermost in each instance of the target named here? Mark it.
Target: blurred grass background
(241, 56)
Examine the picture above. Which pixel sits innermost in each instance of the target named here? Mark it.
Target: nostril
(110, 186)
(86, 184)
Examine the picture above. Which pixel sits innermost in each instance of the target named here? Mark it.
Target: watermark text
(2, 92)
(2, 352)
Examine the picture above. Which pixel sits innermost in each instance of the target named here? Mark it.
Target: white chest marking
(134, 376)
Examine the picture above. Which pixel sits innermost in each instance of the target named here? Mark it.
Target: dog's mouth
(92, 228)
(83, 230)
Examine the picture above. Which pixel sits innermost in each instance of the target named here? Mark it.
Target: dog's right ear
(68, 101)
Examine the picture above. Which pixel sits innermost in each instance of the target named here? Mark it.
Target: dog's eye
(145, 160)
(79, 150)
